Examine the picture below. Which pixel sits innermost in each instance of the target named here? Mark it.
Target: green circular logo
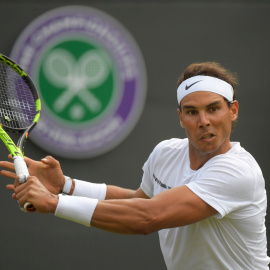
(91, 78)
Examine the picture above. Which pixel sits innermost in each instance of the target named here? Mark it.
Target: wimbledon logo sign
(91, 78)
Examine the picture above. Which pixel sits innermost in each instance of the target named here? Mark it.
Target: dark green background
(171, 35)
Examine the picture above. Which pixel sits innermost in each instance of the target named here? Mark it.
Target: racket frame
(17, 151)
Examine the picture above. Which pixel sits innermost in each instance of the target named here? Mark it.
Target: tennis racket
(19, 112)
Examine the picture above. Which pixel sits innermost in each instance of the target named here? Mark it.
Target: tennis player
(204, 194)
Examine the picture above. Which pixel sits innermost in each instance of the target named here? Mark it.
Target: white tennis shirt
(233, 184)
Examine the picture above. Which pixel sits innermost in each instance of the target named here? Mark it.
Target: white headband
(204, 83)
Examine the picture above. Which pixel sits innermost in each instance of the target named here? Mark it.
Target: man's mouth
(207, 136)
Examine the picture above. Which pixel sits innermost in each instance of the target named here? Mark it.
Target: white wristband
(67, 186)
(90, 190)
(77, 209)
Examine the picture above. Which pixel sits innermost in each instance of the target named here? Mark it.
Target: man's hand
(35, 193)
(48, 171)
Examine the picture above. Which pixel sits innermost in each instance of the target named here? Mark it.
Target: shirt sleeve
(147, 184)
(226, 185)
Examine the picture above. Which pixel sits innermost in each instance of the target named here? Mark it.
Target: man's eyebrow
(207, 106)
(214, 103)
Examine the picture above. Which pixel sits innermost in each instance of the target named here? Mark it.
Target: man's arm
(114, 192)
(50, 174)
(176, 207)
(172, 208)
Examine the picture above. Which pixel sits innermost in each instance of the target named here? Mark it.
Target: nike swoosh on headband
(207, 83)
(187, 87)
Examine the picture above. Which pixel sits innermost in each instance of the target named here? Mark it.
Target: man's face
(207, 120)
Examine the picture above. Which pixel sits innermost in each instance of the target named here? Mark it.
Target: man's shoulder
(237, 155)
(170, 148)
(173, 143)
(237, 161)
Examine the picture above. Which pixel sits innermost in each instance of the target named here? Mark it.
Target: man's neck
(198, 158)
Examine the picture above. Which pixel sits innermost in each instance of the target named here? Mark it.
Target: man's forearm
(114, 192)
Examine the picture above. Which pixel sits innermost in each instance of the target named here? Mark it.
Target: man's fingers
(28, 160)
(16, 182)
(27, 192)
(10, 187)
(7, 165)
(49, 160)
(21, 200)
(20, 192)
(8, 174)
(45, 161)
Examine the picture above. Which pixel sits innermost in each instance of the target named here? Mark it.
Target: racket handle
(21, 169)
(22, 172)
(28, 207)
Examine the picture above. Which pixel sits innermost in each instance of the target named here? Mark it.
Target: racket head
(19, 100)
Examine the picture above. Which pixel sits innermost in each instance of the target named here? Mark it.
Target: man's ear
(180, 117)
(234, 110)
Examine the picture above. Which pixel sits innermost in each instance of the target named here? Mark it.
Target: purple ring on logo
(76, 22)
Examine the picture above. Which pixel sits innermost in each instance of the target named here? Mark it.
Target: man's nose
(203, 119)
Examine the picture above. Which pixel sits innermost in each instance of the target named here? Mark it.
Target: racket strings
(17, 104)
(10, 116)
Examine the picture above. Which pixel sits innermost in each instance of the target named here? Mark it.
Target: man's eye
(192, 112)
(213, 109)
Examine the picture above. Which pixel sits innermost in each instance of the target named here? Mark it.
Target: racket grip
(28, 207)
(22, 172)
(21, 169)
